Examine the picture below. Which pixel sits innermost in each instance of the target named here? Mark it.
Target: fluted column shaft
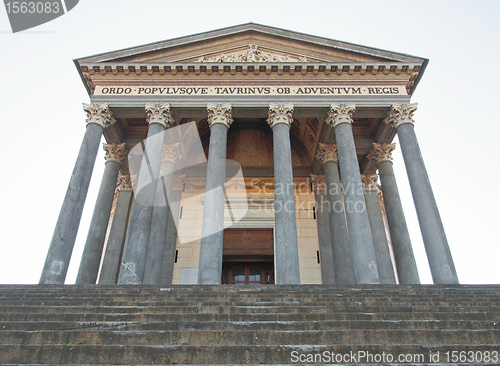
(360, 237)
(92, 252)
(342, 256)
(63, 239)
(324, 234)
(212, 231)
(285, 230)
(136, 244)
(433, 234)
(114, 248)
(380, 243)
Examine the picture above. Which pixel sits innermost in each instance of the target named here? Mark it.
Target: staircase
(262, 324)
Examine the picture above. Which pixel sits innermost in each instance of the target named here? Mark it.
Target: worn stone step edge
(255, 325)
(262, 364)
(278, 291)
(79, 290)
(240, 302)
(247, 309)
(204, 355)
(144, 316)
(205, 293)
(248, 337)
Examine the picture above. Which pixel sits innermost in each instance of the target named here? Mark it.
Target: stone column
(358, 225)
(400, 237)
(342, 256)
(212, 232)
(92, 252)
(380, 242)
(136, 244)
(285, 230)
(114, 248)
(172, 222)
(324, 236)
(436, 245)
(99, 116)
(158, 235)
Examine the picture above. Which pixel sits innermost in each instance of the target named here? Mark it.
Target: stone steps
(248, 309)
(249, 337)
(150, 291)
(255, 324)
(155, 317)
(151, 325)
(267, 303)
(226, 355)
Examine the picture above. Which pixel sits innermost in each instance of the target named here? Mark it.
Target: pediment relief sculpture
(252, 54)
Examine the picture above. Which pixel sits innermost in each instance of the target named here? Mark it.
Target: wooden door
(248, 256)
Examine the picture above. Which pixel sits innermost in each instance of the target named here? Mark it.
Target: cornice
(252, 67)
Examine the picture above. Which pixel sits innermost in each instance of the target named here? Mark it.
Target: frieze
(255, 185)
(251, 90)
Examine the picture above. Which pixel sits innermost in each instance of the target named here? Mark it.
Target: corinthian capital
(171, 152)
(381, 152)
(159, 113)
(124, 183)
(401, 114)
(99, 114)
(115, 152)
(318, 183)
(280, 113)
(327, 152)
(369, 182)
(178, 182)
(340, 114)
(220, 113)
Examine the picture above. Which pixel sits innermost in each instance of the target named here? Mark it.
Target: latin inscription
(252, 90)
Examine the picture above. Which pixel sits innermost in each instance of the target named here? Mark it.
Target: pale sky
(42, 121)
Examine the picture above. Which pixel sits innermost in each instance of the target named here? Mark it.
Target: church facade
(249, 155)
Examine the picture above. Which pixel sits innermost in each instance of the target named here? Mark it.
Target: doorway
(248, 256)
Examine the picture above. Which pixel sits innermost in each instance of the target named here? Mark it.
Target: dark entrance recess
(248, 256)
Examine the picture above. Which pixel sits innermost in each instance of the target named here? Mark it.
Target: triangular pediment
(250, 43)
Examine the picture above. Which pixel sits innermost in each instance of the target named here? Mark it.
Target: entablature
(185, 74)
